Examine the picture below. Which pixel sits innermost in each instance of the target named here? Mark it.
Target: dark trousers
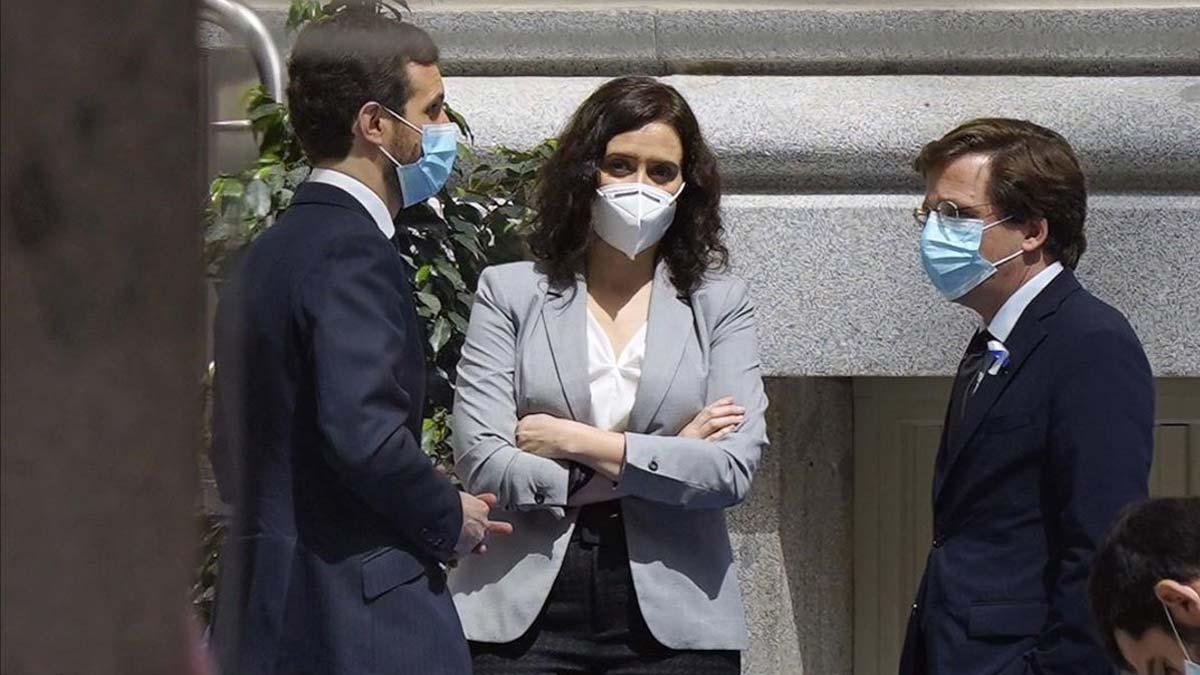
(591, 622)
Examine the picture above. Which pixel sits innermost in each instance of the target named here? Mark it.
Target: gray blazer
(525, 353)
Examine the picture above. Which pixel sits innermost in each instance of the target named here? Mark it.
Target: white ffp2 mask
(632, 217)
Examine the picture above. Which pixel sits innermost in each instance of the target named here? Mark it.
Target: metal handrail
(244, 23)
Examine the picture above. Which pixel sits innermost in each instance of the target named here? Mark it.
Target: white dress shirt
(372, 202)
(1010, 312)
(612, 379)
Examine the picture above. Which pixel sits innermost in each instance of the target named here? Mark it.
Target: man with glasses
(1048, 431)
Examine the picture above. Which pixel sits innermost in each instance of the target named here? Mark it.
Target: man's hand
(476, 527)
(715, 421)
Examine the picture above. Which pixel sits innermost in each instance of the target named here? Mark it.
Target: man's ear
(367, 123)
(1036, 231)
(1182, 600)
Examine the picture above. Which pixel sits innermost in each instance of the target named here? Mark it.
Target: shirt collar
(1006, 319)
(365, 196)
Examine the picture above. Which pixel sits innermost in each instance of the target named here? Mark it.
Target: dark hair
(1151, 541)
(1034, 174)
(342, 62)
(567, 183)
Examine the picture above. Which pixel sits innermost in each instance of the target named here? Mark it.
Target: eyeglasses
(947, 209)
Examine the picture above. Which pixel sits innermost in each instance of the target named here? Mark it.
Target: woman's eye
(664, 173)
(617, 166)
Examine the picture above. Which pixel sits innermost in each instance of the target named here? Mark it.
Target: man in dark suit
(334, 558)
(1048, 432)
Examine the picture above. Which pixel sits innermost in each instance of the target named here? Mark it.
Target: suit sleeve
(353, 308)
(696, 473)
(1100, 442)
(486, 457)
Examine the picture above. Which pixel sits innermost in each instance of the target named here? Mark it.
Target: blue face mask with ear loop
(950, 254)
(423, 178)
(1190, 666)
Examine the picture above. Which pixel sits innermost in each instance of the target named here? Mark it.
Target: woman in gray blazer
(610, 395)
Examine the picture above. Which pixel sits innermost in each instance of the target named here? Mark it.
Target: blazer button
(653, 466)
(938, 542)
(539, 498)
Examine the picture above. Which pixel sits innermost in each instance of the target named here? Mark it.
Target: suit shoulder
(520, 272)
(722, 291)
(1091, 329)
(1084, 314)
(512, 284)
(511, 279)
(313, 230)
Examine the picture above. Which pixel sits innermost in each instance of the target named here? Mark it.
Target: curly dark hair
(567, 184)
(342, 62)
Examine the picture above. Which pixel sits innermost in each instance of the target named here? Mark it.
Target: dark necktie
(964, 386)
(965, 380)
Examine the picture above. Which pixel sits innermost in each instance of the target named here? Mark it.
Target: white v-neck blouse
(613, 380)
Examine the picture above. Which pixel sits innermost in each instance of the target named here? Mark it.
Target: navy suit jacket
(1051, 449)
(331, 561)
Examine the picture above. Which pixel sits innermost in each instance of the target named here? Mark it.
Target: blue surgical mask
(1190, 666)
(423, 178)
(950, 254)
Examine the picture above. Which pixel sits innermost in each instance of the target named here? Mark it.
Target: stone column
(101, 333)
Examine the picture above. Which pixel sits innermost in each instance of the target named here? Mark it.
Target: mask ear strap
(400, 117)
(998, 222)
(677, 193)
(389, 155)
(1178, 637)
(1007, 258)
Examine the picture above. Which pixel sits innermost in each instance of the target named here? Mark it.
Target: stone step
(539, 38)
(840, 290)
(860, 134)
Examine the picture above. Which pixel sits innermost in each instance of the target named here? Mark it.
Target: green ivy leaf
(264, 111)
(430, 300)
(470, 243)
(301, 12)
(449, 272)
(229, 188)
(298, 175)
(440, 335)
(460, 121)
(258, 199)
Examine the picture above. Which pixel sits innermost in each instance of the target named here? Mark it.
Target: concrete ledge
(859, 134)
(869, 41)
(777, 39)
(840, 291)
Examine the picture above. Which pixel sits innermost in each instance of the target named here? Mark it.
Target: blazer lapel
(564, 316)
(668, 326)
(1024, 339)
